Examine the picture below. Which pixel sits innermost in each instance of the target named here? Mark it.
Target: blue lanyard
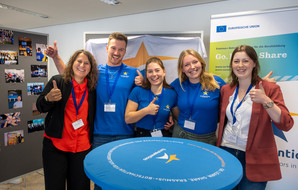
(194, 98)
(74, 99)
(236, 94)
(151, 97)
(111, 91)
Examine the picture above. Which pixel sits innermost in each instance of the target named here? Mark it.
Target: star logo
(205, 93)
(142, 56)
(166, 157)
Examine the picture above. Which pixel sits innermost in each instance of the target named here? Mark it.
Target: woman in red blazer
(248, 106)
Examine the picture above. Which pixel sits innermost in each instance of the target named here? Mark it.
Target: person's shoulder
(219, 80)
(57, 77)
(129, 67)
(270, 85)
(175, 82)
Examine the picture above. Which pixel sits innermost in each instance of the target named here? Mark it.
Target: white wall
(70, 37)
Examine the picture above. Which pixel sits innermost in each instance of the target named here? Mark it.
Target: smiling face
(155, 74)
(116, 50)
(242, 66)
(81, 67)
(192, 68)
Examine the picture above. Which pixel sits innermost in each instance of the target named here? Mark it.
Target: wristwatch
(268, 105)
(45, 97)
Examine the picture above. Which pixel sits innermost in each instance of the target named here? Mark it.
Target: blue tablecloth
(162, 163)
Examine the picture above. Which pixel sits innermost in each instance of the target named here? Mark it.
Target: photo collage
(22, 84)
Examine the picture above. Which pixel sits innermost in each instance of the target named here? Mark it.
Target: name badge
(110, 107)
(189, 124)
(77, 124)
(156, 133)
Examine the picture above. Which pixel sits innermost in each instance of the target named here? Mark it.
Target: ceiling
(70, 11)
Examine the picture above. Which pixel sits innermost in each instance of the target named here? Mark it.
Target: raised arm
(52, 51)
(133, 116)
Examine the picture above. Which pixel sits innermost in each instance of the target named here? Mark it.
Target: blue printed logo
(221, 28)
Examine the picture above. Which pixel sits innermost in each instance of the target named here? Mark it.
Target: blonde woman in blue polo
(198, 99)
(149, 106)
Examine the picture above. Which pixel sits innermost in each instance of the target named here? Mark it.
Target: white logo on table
(165, 156)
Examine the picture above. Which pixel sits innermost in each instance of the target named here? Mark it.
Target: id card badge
(156, 133)
(77, 124)
(109, 107)
(189, 124)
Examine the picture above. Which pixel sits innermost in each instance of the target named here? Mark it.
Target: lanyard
(111, 91)
(236, 94)
(154, 117)
(74, 99)
(194, 98)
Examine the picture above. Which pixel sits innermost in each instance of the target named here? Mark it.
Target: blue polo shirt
(143, 97)
(205, 107)
(113, 123)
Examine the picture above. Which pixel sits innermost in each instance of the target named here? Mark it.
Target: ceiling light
(111, 2)
(3, 6)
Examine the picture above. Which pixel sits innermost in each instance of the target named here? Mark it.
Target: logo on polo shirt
(167, 108)
(205, 95)
(125, 74)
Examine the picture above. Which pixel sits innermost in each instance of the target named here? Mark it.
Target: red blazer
(262, 162)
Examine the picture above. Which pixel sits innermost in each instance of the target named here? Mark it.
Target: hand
(267, 78)
(169, 124)
(152, 108)
(258, 95)
(55, 94)
(139, 79)
(52, 51)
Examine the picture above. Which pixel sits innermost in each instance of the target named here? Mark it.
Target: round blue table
(162, 163)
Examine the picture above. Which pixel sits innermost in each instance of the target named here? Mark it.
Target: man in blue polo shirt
(115, 82)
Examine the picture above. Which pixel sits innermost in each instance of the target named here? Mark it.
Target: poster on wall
(275, 41)
(10, 119)
(34, 88)
(14, 75)
(25, 46)
(35, 125)
(6, 36)
(8, 57)
(41, 52)
(15, 99)
(13, 137)
(39, 71)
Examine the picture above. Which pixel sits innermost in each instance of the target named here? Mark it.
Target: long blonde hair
(206, 79)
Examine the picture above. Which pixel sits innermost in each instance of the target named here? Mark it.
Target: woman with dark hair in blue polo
(149, 106)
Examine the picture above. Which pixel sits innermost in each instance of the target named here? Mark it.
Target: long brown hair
(252, 54)
(92, 75)
(147, 84)
(206, 79)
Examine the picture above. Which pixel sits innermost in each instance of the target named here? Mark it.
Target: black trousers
(61, 167)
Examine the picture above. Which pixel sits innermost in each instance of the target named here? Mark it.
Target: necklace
(112, 74)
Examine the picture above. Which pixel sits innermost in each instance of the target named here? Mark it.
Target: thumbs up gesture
(55, 94)
(52, 51)
(258, 95)
(152, 108)
(139, 79)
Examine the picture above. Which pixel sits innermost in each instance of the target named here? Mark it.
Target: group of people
(90, 105)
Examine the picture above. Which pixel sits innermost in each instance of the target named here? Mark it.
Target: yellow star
(142, 56)
(172, 157)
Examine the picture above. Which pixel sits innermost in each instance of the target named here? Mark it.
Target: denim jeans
(244, 184)
(103, 139)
